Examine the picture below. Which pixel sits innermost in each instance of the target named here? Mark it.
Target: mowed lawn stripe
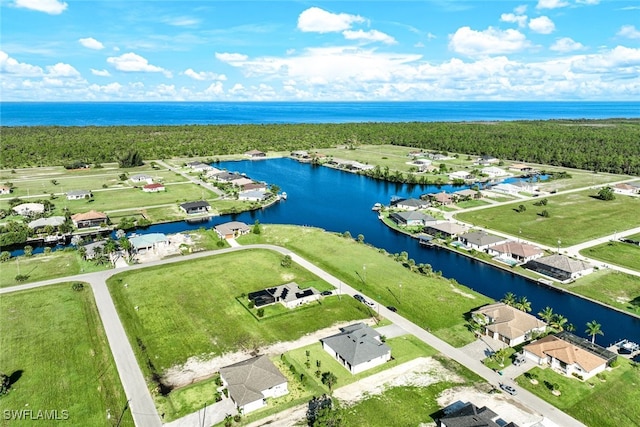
(53, 336)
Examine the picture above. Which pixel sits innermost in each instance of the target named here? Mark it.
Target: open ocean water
(216, 113)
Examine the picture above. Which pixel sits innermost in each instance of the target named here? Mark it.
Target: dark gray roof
(247, 380)
(416, 203)
(411, 216)
(563, 263)
(481, 238)
(194, 205)
(357, 343)
(471, 416)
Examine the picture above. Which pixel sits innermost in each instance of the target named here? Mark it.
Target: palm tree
(593, 329)
(509, 298)
(558, 322)
(546, 314)
(523, 304)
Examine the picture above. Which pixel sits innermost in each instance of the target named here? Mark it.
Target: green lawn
(190, 308)
(54, 347)
(573, 218)
(189, 399)
(430, 301)
(617, 289)
(472, 204)
(618, 253)
(609, 403)
(42, 267)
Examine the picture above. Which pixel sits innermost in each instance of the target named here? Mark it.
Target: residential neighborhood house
(192, 208)
(480, 240)
(252, 381)
(290, 295)
(517, 251)
(442, 198)
(357, 347)
(410, 204)
(255, 154)
(625, 189)
(89, 219)
(411, 218)
(156, 187)
(463, 175)
(140, 178)
(494, 172)
(560, 267)
(507, 324)
(53, 221)
(79, 195)
(253, 195)
(232, 229)
(445, 230)
(460, 414)
(145, 242)
(569, 355)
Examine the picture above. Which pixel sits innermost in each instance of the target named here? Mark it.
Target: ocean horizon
(15, 114)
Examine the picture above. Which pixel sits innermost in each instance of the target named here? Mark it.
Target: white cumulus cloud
(91, 43)
(513, 18)
(318, 20)
(542, 25)
(12, 66)
(131, 62)
(369, 36)
(629, 31)
(551, 4)
(491, 41)
(100, 73)
(204, 75)
(52, 7)
(231, 57)
(566, 44)
(62, 70)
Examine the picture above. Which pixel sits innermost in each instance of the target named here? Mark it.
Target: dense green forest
(598, 145)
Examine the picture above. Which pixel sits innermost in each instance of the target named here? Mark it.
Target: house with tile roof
(252, 381)
(406, 219)
(517, 251)
(507, 324)
(231, 229)
(89, 219)
(156, 187)
(569, 355)
(357, 347)
(560, 267)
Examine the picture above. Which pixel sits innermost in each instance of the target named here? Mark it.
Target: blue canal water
(339, 201)
(207, 113)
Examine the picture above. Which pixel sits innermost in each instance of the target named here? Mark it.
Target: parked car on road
(508, 389)
(359, 298)
(392, 308)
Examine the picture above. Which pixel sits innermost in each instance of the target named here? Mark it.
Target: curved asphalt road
(142, 407)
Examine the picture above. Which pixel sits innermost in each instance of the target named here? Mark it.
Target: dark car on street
(359, 298)
(392, 308)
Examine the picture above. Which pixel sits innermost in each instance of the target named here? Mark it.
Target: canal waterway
(339, 201)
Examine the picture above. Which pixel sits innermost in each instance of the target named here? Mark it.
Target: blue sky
(54, 50)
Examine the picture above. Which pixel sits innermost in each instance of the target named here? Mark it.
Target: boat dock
(625, 348)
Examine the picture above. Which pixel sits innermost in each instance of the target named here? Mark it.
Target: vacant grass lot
(42, 267)
(617, 289)
(190, 309)
(610, 402)
(54, 347)
(573, 218)
(618, 253)
(429, 301)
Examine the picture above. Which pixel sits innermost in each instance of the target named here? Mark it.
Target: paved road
(142, 407)
(193, 179)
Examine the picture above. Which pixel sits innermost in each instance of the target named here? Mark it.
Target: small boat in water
(377, 207)
(283, 195)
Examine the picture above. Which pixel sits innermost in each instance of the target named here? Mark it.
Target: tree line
(598, 145)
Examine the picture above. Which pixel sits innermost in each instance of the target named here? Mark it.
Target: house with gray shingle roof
(560, 267)
(252, 381)
(411, 218)
(79, 194)
(54, 221)
(460, 414)
(480, 240)
(410, 204)
(445, 230)
(357, 347)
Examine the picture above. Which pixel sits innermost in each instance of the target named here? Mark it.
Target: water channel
(340, 201)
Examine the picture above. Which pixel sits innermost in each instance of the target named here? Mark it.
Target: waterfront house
(5, 189)
(91, 249)
(441, 198)
(494, 172)
(460, 414)
(467, 194)
(300, 155)
(251, 186)
(89, 219)
(232, 229)
(53, 221)
(290, 295)
(560, 267)
(517, 251)
(199, 207)
(29, 209)
(526, 186)
(212, 172)
(519, 167)
(241, 181)
(445, 230)
(480, 240)
(199, 167)
(507, 324)
(156, 187)
(253, 195)
(509, 189)
(486, 160)
(145, 242)
(569, 355)
(226, 176)
(252, 381)
(357, 347)
(141, 178)
(460, 175)
(255, 154)
(79, 195)
(412, 218)
(410, 204)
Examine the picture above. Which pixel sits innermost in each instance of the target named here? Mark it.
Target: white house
(507, 324)
(494, 172)
(480, 240)
(28, 209)
(140, 178)
(560, 267)
(156, 187)
(290, 295)
(569, 355)
(252, 381)
(411, 204)
(253, 195)
(625, 189)
(357, 347)
(510, 189)
(518, 251)
(79, 195)
(460, 175)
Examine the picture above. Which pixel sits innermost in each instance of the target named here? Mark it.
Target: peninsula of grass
(608, 400)
(177, 311)
(429, 301)
(618, 253)
(55, 350)
(614, 288)
(60, 263)
(572, 218)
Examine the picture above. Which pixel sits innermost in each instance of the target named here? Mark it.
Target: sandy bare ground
(196, 368)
